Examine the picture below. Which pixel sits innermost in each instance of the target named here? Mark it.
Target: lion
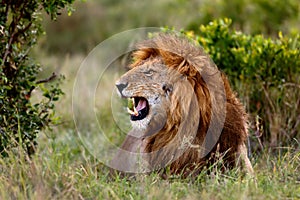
(184, 114)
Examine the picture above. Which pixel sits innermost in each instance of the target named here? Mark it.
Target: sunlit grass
(63, 169)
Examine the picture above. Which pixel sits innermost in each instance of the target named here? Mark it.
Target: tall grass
(62, 169)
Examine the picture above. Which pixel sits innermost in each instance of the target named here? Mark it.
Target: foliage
(20, 119)
(252, 16)
(264, 71)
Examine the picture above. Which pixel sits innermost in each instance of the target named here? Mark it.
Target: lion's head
(148, 88)
(153, 89)
(182, 106)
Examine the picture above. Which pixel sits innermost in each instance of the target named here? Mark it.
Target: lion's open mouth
(138, 108)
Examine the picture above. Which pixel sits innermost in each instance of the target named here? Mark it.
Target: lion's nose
(121, 86)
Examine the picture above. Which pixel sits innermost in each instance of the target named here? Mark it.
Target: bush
(266, 74)
(252, 16)
(20, 119)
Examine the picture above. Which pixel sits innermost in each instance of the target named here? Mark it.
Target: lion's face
(148, 86)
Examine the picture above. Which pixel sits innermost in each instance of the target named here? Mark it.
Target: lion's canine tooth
(131, 107)
(134, 109)
(132, 112)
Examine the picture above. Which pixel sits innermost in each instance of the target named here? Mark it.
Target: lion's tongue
(141, 105)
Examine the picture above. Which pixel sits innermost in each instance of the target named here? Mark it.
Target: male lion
(184, 114)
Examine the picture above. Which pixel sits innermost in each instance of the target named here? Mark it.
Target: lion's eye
(149, 72)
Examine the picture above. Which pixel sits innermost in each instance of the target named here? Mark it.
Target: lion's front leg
(243, 157)
(130, 157)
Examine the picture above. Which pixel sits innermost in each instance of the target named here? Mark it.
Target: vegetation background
(62, 168)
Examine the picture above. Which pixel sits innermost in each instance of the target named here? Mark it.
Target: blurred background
(95, 20)
(70, 38)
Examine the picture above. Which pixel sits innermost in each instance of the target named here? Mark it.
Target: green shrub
(252, 16)
(266, 74)
(20, 119)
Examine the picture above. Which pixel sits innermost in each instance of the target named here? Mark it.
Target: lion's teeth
(132, 112)
(135, 111)
(131, 107)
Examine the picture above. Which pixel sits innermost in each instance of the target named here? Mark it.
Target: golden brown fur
(188, 125)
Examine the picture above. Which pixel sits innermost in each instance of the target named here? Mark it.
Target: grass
(62, 168)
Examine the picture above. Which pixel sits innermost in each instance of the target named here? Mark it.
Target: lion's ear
(182, 65)
(188, 69)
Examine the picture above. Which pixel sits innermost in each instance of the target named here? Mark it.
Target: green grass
(63, 169)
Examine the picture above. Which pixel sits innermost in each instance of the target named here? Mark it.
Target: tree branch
(52, 77)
